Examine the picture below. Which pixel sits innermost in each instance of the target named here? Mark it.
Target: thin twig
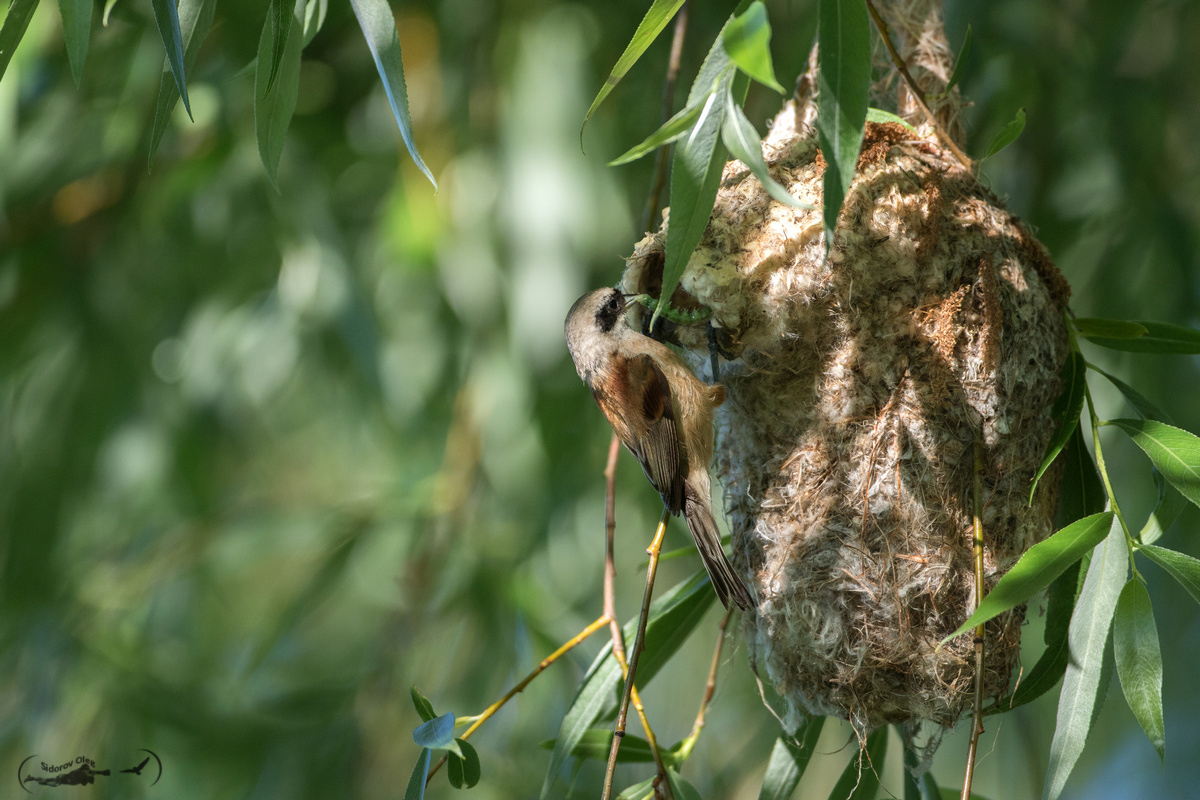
(610, 567)
(977, 715)
(639, 644)
(710, 688)
(610, 572)
(654, 201)
(918, 94)
(520, 687)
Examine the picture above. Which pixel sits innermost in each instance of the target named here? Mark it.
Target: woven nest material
(858, 384)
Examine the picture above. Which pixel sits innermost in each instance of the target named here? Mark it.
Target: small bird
(661, 412)
(138, 769)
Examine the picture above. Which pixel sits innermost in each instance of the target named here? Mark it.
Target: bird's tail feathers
(698, 513)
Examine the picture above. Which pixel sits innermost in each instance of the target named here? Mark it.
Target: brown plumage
(662, 413)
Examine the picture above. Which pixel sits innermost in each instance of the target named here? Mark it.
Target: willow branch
(918, 94)
(654, 201)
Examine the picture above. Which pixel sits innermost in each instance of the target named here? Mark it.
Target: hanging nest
(857, 387)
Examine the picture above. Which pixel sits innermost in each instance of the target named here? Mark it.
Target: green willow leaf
(1170, 505)
(1049, 669)
(314, 18)
(1038, 568)
(742, 140)
(597, 742)
(195, 18)
(274, 104)
(422, 705)
(15, 23)
(1095, 327)
(681, 788)
(747, 42)
(1135, 398)
(108, 7)
(696, 165)
(1161, 337)
(963, 52)
(1081, 491)
(671, 130)
(789, 759)
(661, 12)
(844, 56)
(379, 28)
(860, 778)
(279, 16)
(166, 16)
(1174, 451)
(673, 618)
(416, 784)
(1182, 568)
(929, 787)
(1086, 680)
(1067, 407)
(466, 771)
(639, 791)
(879, 116)
(1139, 660)
(1006, 135)
(437, 733)
(77, 31)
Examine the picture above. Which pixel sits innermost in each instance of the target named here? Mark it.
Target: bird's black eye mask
(610, 312)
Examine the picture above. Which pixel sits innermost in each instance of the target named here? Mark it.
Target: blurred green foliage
(268, 459)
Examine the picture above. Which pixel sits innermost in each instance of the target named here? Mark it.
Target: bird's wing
(657, 443)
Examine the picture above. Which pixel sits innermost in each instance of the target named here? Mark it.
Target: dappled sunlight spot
(312, 281)
(167, 359)
(134, 460)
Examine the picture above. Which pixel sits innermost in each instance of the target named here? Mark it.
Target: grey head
(594, 326)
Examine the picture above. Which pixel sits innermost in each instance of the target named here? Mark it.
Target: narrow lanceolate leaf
(660, 13)
(1161, 337)
(108, 7)
(1174, 451)
(860, 779)
(673, 617)
(671, 130)
(963, 52)
(596, 744)
(1139, 660)
(1182, 568)
(878, 115)
(1006, 135)
(844, 55)
(275, 100)
(681, 788)
(463, 772)
(739, 136)
(1170, 505)
(166, 16)
(279, 17)
(314, 18)
(697, 164)
(747, 42)
(77, 30)
(421, 704)
(1086, 679)
(1081, 491)
(1096, 328)
(1038, 568)
(639, 791)
(789, 759)
(379, 27)
(1066, 410)
(1049, 669)
(195, 18)
(1136, 398)
(15, 23)
(416, 784)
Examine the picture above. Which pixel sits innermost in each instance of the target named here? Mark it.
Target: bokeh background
(269, 459)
